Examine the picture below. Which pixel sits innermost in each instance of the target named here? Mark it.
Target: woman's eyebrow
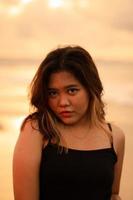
(66, 87)
(71, 86)
(50, 88)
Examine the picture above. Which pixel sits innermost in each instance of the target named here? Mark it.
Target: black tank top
(78, 174)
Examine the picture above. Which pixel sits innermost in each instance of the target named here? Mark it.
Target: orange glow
(26, 1)
(14, 10)
(55, 3)
(83, 3)
(68, 4)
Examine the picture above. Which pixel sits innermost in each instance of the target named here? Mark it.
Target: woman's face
(68, 99)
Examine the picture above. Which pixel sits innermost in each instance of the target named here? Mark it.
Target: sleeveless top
(78, 174)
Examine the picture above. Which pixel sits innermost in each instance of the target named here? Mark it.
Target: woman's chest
(76, 167)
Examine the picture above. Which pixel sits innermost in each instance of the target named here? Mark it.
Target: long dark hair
(79, 62)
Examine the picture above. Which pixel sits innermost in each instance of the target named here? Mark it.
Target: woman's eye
(72, 90)
(52, 93)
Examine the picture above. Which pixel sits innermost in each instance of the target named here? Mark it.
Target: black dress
(78, 174)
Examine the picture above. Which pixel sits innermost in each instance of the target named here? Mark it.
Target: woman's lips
(66, 114)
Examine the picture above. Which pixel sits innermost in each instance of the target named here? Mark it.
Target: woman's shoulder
(29, 133)
(28, 148)
(118, 137)
(28, 122)
(29, 126)
(117, 132)
(30, 129)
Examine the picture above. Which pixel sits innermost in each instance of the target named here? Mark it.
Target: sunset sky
(30, 28)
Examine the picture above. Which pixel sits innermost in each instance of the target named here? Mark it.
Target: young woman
(66, 149)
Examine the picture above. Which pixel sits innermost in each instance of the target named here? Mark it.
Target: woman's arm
(119, 145)
(115, 197)
(26, 162)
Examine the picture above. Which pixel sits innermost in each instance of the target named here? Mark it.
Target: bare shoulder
(117, 132)
(29, 125)
(29, 138)
(31, 129)
(118, 137)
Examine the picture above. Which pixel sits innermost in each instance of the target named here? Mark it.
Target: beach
(118, 95)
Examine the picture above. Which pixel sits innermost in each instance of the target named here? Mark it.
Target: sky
(30, 28)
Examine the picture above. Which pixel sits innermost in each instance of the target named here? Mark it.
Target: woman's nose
(64, 101)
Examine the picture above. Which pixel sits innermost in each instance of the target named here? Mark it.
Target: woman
(66, 149)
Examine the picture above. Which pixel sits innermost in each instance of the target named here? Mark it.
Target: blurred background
(29, 29)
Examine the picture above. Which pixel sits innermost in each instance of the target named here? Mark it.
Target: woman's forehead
(63, 79)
